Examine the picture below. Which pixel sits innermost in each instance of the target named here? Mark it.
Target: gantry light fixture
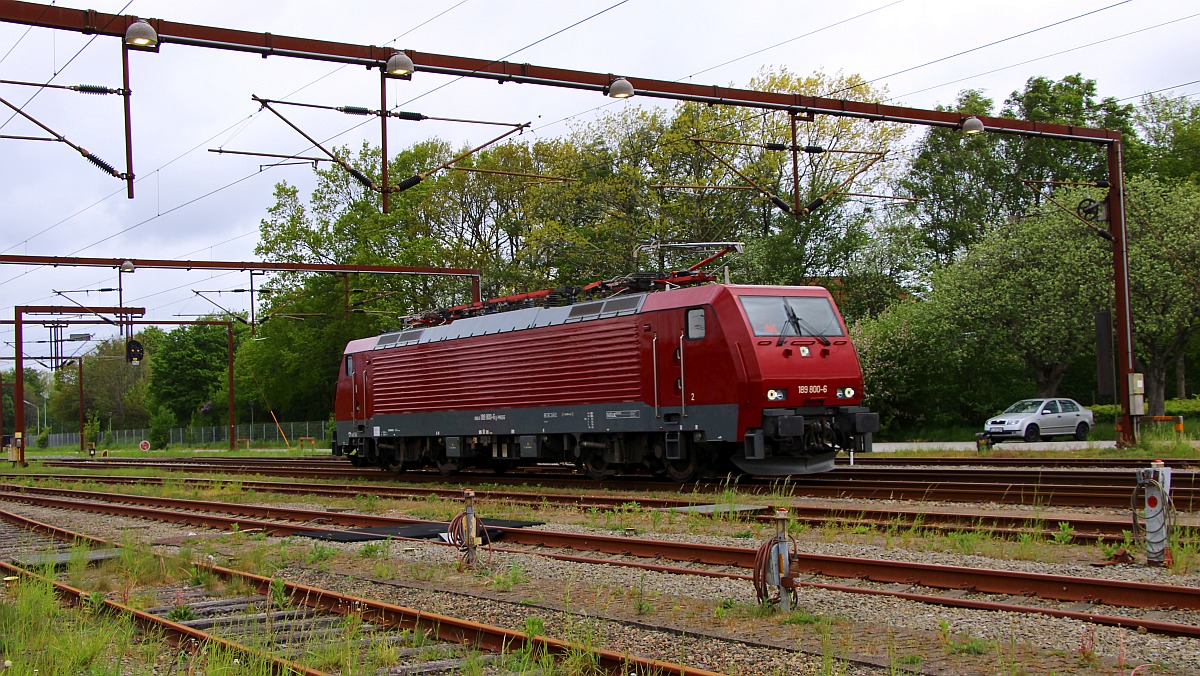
(128, 266)
(399, 65)
(141, 35)
(619, 89)
(972, 125)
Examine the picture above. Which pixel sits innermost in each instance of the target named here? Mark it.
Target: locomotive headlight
(845, 392)
(776, 395)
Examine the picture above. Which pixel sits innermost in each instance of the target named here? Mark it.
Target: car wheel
(1081, 431)
(1032, 434)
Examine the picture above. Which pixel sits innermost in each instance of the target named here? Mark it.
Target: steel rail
(1083, 529)
(1058, 477)
(1051, 583)
(176, 633)
(445, 627)
(1155, 626)
(1087, 463)
(1032, 475)
(1056, 587)
(1043, 495)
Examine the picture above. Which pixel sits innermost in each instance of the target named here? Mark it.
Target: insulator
(815, 150)
(780, 204)
(414, 117)
(775, 146)
(100, 163)
(1101, 184)
(409, 182)
(814, 205)
(92, 89)
(355, 110)
(1104, 233)
(360, 177)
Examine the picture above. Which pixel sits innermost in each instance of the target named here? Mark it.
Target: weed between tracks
(254, 553)
(38, 635)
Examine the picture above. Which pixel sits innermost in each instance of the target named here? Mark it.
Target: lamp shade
(399, 64)
(620, 89)
(972, 125)
(141, 34)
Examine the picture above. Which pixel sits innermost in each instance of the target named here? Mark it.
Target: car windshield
(1024, 406)
(769, 317)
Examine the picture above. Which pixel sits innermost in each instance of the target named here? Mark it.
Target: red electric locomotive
(686, 383)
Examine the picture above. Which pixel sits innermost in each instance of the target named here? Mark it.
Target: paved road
(880, 447)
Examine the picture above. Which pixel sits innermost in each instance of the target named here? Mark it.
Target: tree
(1164, 257)
(113, 388)
(959, 184)
(1170, 126)
(292, 364)
(36, 386)
(190, 366)
(1072, 101)
(925, 367)
(1035, 284)
(1003, 321)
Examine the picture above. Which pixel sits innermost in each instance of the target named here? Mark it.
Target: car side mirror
(1046, 411)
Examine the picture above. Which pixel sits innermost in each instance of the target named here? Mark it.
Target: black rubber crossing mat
(416, 531)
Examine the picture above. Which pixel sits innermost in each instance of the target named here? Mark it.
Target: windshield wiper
(798, 323)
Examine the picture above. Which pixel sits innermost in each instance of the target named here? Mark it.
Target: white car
(1036, 419)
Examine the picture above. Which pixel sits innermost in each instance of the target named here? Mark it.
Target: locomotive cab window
(791, 316)
(695, 323)
(349, 364)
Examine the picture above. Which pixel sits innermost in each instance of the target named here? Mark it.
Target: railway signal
(134, 352)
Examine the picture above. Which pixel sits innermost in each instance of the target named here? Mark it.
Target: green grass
(38, 635)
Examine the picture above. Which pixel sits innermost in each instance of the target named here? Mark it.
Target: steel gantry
(370, 56)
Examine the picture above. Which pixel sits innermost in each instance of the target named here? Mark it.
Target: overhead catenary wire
(985, 46)
(1046, 56)
(540, 40)
(244, 121)
(59, 71)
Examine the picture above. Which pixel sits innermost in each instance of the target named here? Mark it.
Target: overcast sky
(197, 205)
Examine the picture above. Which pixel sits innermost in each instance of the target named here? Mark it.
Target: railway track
(1062, 527)
(1018, 487)
(1096, 600)
(287, 621)
(1044, 462)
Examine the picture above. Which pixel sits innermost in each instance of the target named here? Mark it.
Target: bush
(1188, 408)
(91, 429)
(160, 427)
(43, 438)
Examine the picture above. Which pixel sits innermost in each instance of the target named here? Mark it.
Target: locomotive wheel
(683, 470)
(395, 466)
(446, 467)
(596, 467)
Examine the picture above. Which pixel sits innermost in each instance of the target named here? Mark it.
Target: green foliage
(1164, 254)
(319, 554)
(182, 613)
(507, 578)
(374, 550)
(1065, 533)
(190, 369)
(945, 176)
(1189, 408)
(160, 428)
(91, 428)
(280, 598)
(1170, 125)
